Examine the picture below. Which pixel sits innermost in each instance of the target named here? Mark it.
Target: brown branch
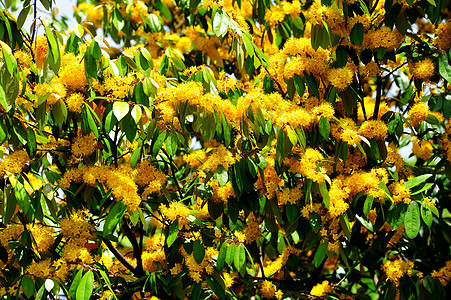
(137, 251)
(119, 256)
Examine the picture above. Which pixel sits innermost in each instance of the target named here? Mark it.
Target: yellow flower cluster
(150, 177)
(383, 37)
(72, 72)
(14, 162)
(424, 69)
(395, 269)
(400, 192)
(75, 101)
(340, 78)
(221, 193)
(44, 236)
(321, 289)
(84, 145)
(373, 128)
(291, 196)
(252, 231)
(418, 113)
(276, 265)
(444, 274)
(308, 166)
(443, 32)
(206, 266)
(267, 289)
(422, 149)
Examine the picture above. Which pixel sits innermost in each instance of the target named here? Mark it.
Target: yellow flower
(373, 128)
(321, 289)
(267, 289)
(394, 270)
(40, 269)
(400, 192)
(72, 73)
(75, 101)
(340, 78)
(422, 149)
(84, 145)
(175, 210)
(423, 69)
(443, 32)
(14, 162)
(418, 113)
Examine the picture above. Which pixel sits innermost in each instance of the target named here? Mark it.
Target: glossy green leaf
(324, 127)
(28, 286)
(220, 23)
(31, 142)
(114, 217)
(240, 257)
(230, 255)
(444, 67)
(412, 221)
(158, 143)
(172, 233)
(171, 144)
(315, 221)
(120, 109)
(221, 257)
(222, 176)
(416, 181)
(85, 288)
(357, 34)
(215, 287)
(426, 214)
(198, 251)
(320, 254)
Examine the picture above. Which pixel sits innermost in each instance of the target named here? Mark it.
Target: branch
(378, 97)
(119, 256)
(137, 251)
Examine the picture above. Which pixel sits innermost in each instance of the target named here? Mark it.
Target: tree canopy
(175, 149)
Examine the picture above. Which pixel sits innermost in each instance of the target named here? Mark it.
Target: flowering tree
(226, 149)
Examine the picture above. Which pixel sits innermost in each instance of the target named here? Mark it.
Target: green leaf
(171, 144)
(230, 255)
(28, 286)
(368, 225)
(118, 20)
(240, 257)
(443, 67)
(299, 85)
(292, 212)
(226, 130)
(222, 176)
(342, 56)
(172, 233)
(324, 127)
(135, 155)
(88, 117)
(397, 215)
(113, 218)
(368, 204)
(320, 254)
(215, 287)
(220, 23)
(357, 34)
(315, 221)
(412, 221)
(426, 214)
(53, 43)
(319, 37)
(154, 22)
(221, 257)
(120, 109)
(198, 251)
(312, 85)
(158, 143)
(31, 142)
(84, 289)
(324, 193)
(75, 284)
(416, 181)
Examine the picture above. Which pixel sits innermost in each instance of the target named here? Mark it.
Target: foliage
(226, 149)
